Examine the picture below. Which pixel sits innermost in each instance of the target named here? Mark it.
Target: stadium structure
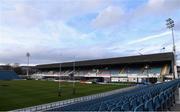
(140, 68)
(8, 75)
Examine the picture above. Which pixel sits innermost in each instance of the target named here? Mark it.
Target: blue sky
(58, 30)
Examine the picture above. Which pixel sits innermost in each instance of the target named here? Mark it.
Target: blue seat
(139, 107)
(119, 103)
(140, 99)
(133, 104)
(125, 107)
(94, 107)
(145, 98)
(156, 103)
(173, 97)
(110, 107)
(149, 105)
(116, 108)
(166, 100)
(162, 100)
(170, 98)
(103, 107)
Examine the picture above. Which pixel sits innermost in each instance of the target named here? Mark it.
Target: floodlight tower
(170, 25)
(27, 55)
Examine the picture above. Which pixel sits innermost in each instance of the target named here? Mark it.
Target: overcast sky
(58, 30)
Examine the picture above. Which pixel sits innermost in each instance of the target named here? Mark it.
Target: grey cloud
(56, 55)
(177, 26)
(108, 17)
(159, 7)
(31, 13)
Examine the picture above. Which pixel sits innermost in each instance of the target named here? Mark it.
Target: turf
(25, 93)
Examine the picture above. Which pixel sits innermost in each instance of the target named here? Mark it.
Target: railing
(57, 104)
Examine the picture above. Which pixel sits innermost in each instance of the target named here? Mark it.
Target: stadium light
(74, 70)
(170, 25)
(27, 70)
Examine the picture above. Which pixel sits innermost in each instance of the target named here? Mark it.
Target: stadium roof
(160, 57)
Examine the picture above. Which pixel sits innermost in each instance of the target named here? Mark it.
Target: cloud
(32, 13)
(177, 26)
(162, 6)
(154, 8)
(108, 17)
(51, 55)
(45, 43)
(43, 29)
(21, 14)
(65, 9)
(147, 45)
(114, 15)
(149, 38)
(139, 42)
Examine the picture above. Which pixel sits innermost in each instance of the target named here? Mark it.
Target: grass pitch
(25, 93)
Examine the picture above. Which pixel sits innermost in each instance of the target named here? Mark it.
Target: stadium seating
(139, 107)
(122, 74)
(8, 75)
(156, 103)
(149, 105)
(155, 97)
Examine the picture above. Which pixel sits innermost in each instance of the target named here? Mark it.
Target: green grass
(25, 93)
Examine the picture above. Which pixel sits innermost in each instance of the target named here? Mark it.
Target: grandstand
(151, 67)
(8, 75)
